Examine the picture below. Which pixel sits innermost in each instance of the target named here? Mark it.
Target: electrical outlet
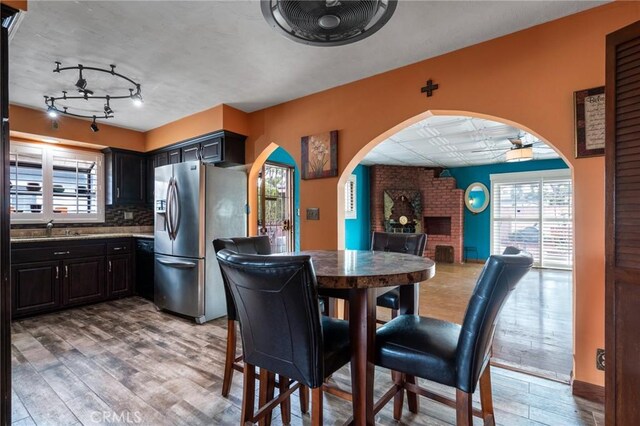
(600, 359)
(128, 215)
(313, 214)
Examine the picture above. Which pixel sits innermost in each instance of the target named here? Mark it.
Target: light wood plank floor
(534, 333)
(123, 362)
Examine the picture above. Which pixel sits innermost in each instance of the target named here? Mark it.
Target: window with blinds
(55, 183)
(533, 211)
(350, 211)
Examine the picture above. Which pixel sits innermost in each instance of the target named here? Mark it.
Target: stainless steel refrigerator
(194, 204)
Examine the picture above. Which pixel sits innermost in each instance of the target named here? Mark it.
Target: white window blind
(533, 211)
(56, 183)
(350, 209)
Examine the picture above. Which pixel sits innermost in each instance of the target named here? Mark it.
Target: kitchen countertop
(34, 239)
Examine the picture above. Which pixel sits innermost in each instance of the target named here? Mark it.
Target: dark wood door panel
(35, 287)
(120, 274)
(84, 281)
(622, 292)
(131, 180)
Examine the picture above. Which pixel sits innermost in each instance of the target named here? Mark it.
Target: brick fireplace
(441, 204)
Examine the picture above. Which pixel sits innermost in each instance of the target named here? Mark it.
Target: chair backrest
(277, 304)
(399, 243)
(497, 280)
(244, 245)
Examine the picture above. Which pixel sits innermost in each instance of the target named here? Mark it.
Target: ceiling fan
(519, 151)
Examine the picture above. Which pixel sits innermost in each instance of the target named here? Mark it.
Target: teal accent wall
(357, 232)
(477, 232)
(280, 155)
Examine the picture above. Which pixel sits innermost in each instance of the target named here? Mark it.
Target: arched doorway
(274, 199)
(544, 316)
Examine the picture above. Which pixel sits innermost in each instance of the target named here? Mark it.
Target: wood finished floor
(102, 363)
(534, 333)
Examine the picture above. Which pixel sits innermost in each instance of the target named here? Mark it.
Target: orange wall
(16, 4)
(527, 78)
(200, 123)
(36, 122)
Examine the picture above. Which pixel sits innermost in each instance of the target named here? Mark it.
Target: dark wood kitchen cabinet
(126, 177)
(191, 152)
(52, 275)
(83, 281)
(35, 287)
(119, 275)
(222, 148)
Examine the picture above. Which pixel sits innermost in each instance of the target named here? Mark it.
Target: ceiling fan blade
(491, 150)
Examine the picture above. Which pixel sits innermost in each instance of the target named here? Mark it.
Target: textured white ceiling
(449, 141)
(191, 56)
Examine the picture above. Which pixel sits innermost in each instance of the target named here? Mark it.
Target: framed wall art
(589, 116)
(320, 155)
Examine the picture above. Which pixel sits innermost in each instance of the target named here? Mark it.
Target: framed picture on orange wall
(320, 155)
(589, 116)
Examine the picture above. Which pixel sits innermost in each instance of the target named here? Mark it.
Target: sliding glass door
(533, 211)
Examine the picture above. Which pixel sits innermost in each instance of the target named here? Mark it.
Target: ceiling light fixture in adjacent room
(327, 22)
(135, 95)
(515, 155)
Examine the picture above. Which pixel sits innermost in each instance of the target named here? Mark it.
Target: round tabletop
(368, 269)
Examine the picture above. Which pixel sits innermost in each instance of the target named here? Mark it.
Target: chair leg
(464, 413)
(230, 358)
(267, 387)
(285, 406)
(412, 398)
(394, 313)
(398, 399)
(486, 399)
(345, 314)
(248, 393)
(304, 399)
(316, 406)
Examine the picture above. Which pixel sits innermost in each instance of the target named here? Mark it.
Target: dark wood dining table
(365, 274)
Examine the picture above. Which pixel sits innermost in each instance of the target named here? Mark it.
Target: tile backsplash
(114, 216)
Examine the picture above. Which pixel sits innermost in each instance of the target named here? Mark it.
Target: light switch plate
(313, 214)
(128, 215)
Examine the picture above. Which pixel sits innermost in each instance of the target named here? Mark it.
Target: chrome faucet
(49, 227)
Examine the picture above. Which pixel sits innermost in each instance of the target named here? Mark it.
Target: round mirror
(476, 197)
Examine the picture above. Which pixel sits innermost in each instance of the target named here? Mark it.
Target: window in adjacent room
(533, 211)
(57, 183)
(350, 198)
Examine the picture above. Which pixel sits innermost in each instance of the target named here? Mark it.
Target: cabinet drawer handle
(119, 248)
(66, 271)
(60, 253)
(109, 266)
(57, 272)
(118, 192)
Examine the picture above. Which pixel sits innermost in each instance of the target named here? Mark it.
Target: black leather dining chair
(450, 354)
(245, 245)
(397, 243)
(392, 242)
(281, 327)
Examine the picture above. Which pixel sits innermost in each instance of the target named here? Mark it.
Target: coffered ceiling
(191, 56)
(453, 141)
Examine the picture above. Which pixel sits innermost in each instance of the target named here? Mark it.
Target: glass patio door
(275, 206)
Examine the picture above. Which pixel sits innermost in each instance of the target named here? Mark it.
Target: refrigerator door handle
(167, 217)
(178, 264)
(175, 214)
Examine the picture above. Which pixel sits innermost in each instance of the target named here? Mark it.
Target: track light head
(52, 112)
(94, 126)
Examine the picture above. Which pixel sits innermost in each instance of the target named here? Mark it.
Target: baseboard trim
(588, 391)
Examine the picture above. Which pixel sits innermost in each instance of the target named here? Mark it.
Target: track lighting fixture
(135, 94)
(94, 126)
(107, 107)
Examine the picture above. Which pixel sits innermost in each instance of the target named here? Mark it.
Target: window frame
(539, 177)
(48, 154)
(351, 211)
